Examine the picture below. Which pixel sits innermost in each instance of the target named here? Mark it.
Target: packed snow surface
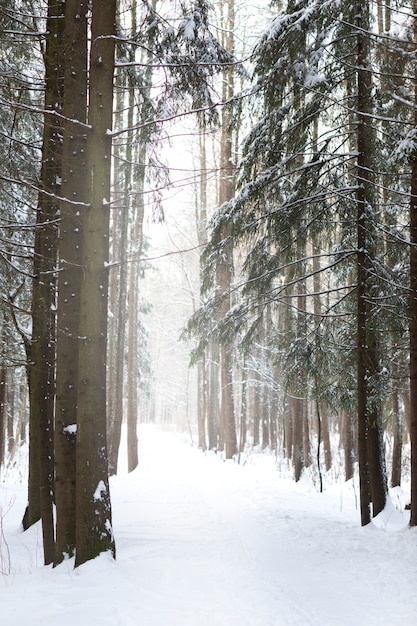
(203, 542)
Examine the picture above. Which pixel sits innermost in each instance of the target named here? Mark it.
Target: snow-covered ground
(201, 542)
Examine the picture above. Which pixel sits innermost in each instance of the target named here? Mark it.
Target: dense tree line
(305, 212)
(320, 308)
(81, 133)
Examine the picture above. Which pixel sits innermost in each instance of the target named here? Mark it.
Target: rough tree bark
(117, 287)
(42, 347)
(373, 486)
(226, 191)
(72, 207)
(413, 307)
(94, 533)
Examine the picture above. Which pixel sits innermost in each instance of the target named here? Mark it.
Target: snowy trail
(206, 543)
(190, 522)
(238, 549)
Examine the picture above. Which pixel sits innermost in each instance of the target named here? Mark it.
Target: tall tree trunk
(118, 362)
(265, 380)
(94, 533)
(373, 487)
(298, 401)
(42, 351)
(321, 410)
(132, 359)
(133, 304)
(138, 209)
(413, 307)
(226, 191)
(73, 206)
(201, 220)
(127, 318)
(117, 285)
(301, 428)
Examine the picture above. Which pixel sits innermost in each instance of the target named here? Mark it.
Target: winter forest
(208, 225)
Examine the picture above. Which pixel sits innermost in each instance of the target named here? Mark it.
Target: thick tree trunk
(413, 310)
(73, 206)
(42, 351)
(373, 487)
(94, 533)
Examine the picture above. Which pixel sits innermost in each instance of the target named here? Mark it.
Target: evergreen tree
(298, 185)
(42, 351)
(72, 206)
(413, 302)
(93, 526)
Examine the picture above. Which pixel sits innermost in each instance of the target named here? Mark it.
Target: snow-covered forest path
(201, 542)
(239, 546)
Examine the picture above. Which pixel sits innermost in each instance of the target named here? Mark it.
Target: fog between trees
(202, 184)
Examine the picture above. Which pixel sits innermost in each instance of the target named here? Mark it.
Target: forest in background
(296, 148)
